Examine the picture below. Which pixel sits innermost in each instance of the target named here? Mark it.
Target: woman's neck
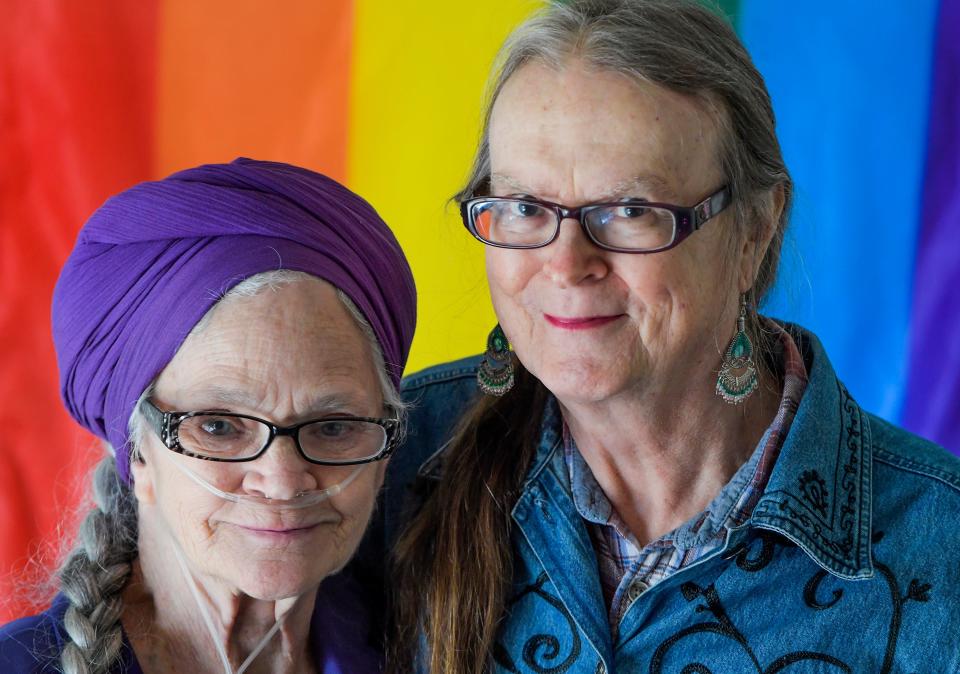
(168, 631)
(662, 458)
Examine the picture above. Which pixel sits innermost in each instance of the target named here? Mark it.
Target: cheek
(509, 271)
(668, 279)
(512, 279)
(380, 472)
(356, 503)
(355, 512)
(188, 510)
(650, 286)
(357, 507)
(677, 300)
(192, 517)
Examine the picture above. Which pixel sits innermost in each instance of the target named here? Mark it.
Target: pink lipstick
(580, 323)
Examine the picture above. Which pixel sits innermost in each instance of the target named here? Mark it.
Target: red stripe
(76, 125)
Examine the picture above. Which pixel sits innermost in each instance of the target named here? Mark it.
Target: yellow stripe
(417, 84)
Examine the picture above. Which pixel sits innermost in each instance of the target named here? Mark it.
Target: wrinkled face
(286, 355)
(592, 324)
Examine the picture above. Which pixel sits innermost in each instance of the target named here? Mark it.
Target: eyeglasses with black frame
(221, 436)
(629, 226)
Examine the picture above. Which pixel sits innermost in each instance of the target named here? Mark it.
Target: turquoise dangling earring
(495, 376)
(738, 374)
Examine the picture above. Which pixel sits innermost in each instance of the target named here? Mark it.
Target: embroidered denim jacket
(850, 561)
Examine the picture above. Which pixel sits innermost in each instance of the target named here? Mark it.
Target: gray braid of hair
(95, 573)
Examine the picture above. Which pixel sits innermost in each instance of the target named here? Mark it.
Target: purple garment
(340, 637)
(340, 632)
(152, 260)
(932, 407)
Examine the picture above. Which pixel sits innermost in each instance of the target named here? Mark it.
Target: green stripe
(729, 8)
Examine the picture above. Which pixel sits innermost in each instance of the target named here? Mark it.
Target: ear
(143, 480)
(757, 242)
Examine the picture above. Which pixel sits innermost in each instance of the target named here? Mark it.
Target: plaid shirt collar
(617, 549)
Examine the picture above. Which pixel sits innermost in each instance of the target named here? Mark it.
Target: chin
(581, 382)
(577, 393)
(277, 589)
(283, 579)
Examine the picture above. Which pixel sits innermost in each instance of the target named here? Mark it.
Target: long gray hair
(454, 561)
(95, 572)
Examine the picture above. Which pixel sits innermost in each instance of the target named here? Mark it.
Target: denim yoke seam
(918, 467)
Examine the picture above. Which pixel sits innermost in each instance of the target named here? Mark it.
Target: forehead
(580, 133)
(296, 344)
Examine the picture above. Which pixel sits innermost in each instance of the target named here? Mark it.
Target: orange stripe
(256, 79)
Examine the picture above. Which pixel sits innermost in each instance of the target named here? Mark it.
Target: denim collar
(551, 438)
(819, 492)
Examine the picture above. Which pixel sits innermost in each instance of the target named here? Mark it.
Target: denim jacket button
(601, 668)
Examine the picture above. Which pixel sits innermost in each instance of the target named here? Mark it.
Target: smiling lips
(280, 534)
(581, 322)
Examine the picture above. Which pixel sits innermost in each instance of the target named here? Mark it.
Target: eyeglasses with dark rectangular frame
(221, 436)
(630, 226)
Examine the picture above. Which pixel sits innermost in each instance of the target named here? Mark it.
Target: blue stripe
(850, 86)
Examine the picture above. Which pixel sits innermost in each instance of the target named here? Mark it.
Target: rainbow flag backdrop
(95, 96)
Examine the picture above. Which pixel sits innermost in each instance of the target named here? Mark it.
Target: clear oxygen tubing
(303, 499)
(300, 500)
(208, 620)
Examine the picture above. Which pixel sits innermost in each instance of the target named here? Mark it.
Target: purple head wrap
(151, 261)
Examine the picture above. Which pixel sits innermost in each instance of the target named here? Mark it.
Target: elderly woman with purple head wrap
(236, 333)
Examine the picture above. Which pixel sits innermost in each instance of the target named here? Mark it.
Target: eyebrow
(231, 398)
(511, 182)
(649, 183)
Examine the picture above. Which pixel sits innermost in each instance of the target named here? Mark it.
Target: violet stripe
(932, 407)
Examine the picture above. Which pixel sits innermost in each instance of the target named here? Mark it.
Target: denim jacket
(850, 561)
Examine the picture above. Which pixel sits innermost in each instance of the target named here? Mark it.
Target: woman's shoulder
(457, 373)
(33, 644)
(908, 458)
(437, 397)
(901, 462)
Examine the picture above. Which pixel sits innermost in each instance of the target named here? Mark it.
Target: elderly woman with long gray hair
(236, 333)
(656, 478)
